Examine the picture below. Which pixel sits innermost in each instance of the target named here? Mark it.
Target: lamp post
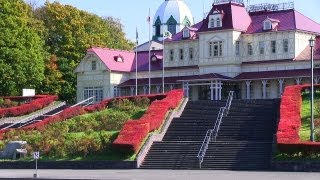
(311, 43)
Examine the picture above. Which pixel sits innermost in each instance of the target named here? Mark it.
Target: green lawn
(305, 116)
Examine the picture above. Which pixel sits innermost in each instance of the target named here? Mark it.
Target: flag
(148, 19)
(137, 36)
(167, 34)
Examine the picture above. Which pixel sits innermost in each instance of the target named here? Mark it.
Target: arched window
(218, 22)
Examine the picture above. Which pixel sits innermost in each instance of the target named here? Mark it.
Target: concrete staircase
(244, 142)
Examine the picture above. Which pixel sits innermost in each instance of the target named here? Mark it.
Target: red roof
(174, 80)
(128, 65)
(306, 53)
(276, 74)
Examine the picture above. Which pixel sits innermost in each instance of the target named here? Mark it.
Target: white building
(255, 51)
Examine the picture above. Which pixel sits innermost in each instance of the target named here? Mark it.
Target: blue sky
(134, 13)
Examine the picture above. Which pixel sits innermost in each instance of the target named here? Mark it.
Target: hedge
(38, 103)
(133, 133)
(288, 139)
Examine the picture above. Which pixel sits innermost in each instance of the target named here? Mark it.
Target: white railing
(42, 112)
(213, 133)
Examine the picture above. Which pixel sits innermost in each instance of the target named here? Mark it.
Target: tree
(70, 32)
(22, 51)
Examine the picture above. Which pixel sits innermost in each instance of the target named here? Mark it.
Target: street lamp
(311, 44)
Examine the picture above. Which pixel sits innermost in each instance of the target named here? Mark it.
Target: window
(171, 54)
(273, 46)
(237, 48)
(93, 65)
(186, 33)
(172, 28)
(261, 47)
(285, 45)
(267, 25)
(215, 49)
(211, 23)
(191, 53)
(218, 22)
(97, 92)
(250, 50)
(181, 54)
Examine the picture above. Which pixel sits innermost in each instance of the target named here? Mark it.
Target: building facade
(255, 51)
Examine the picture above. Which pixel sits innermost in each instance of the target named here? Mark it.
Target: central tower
(172, 16)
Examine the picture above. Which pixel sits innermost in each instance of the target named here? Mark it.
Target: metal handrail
(213, 133)
(229, 101)
(89, 100)
(42, 112)
(204, 146)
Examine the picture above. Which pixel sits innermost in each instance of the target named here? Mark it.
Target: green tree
(70, 32)
(21, 48)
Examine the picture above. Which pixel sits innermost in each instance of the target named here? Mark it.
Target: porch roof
(175, 79)
(277, 74)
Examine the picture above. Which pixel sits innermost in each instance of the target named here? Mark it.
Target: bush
(290, 123)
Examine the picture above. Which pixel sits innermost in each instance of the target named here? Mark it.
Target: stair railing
(213, 133)
(229, 101)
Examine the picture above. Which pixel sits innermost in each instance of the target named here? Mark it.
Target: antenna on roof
(203, 10)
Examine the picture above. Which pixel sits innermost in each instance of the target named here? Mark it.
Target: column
(171, 87)
(145, 89)
(264, 89)
(216, 90)
(115, 92)
(281, 81)
(186, 89)
(211, 90)
(298, 80)
(248, 84)
(316, 80)
(158, 89)
(220, 90)
(131, 91)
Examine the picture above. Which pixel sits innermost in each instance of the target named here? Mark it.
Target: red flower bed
(134, 132)
(290, 122)
(38, 103)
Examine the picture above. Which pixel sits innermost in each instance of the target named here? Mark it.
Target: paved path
(157, 175)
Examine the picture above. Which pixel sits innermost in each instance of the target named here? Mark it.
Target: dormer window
(267, 25)
(186, 33)
(218, 22)
(270, 24)
(215, 19)
(119, 58)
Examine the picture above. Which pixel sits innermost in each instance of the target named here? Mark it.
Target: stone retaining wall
(296, 166)
(70, 165)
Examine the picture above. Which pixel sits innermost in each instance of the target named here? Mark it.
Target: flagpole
(149, 19)
(163, 59)
(137, 62)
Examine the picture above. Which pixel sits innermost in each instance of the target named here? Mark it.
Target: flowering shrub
(38, 103)
(290, 122)
(134, 132)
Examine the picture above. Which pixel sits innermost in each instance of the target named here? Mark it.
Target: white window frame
(211, 22)
(262, 47)
(218, 22)
(267, 25)
(285, 45)
(181, 54)
(273, 45)
(171, 54)
(215, 49)
(93, 65)
(191, 54)
(186, 33)
(250, 49)
(237, 48)
(97, 92)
